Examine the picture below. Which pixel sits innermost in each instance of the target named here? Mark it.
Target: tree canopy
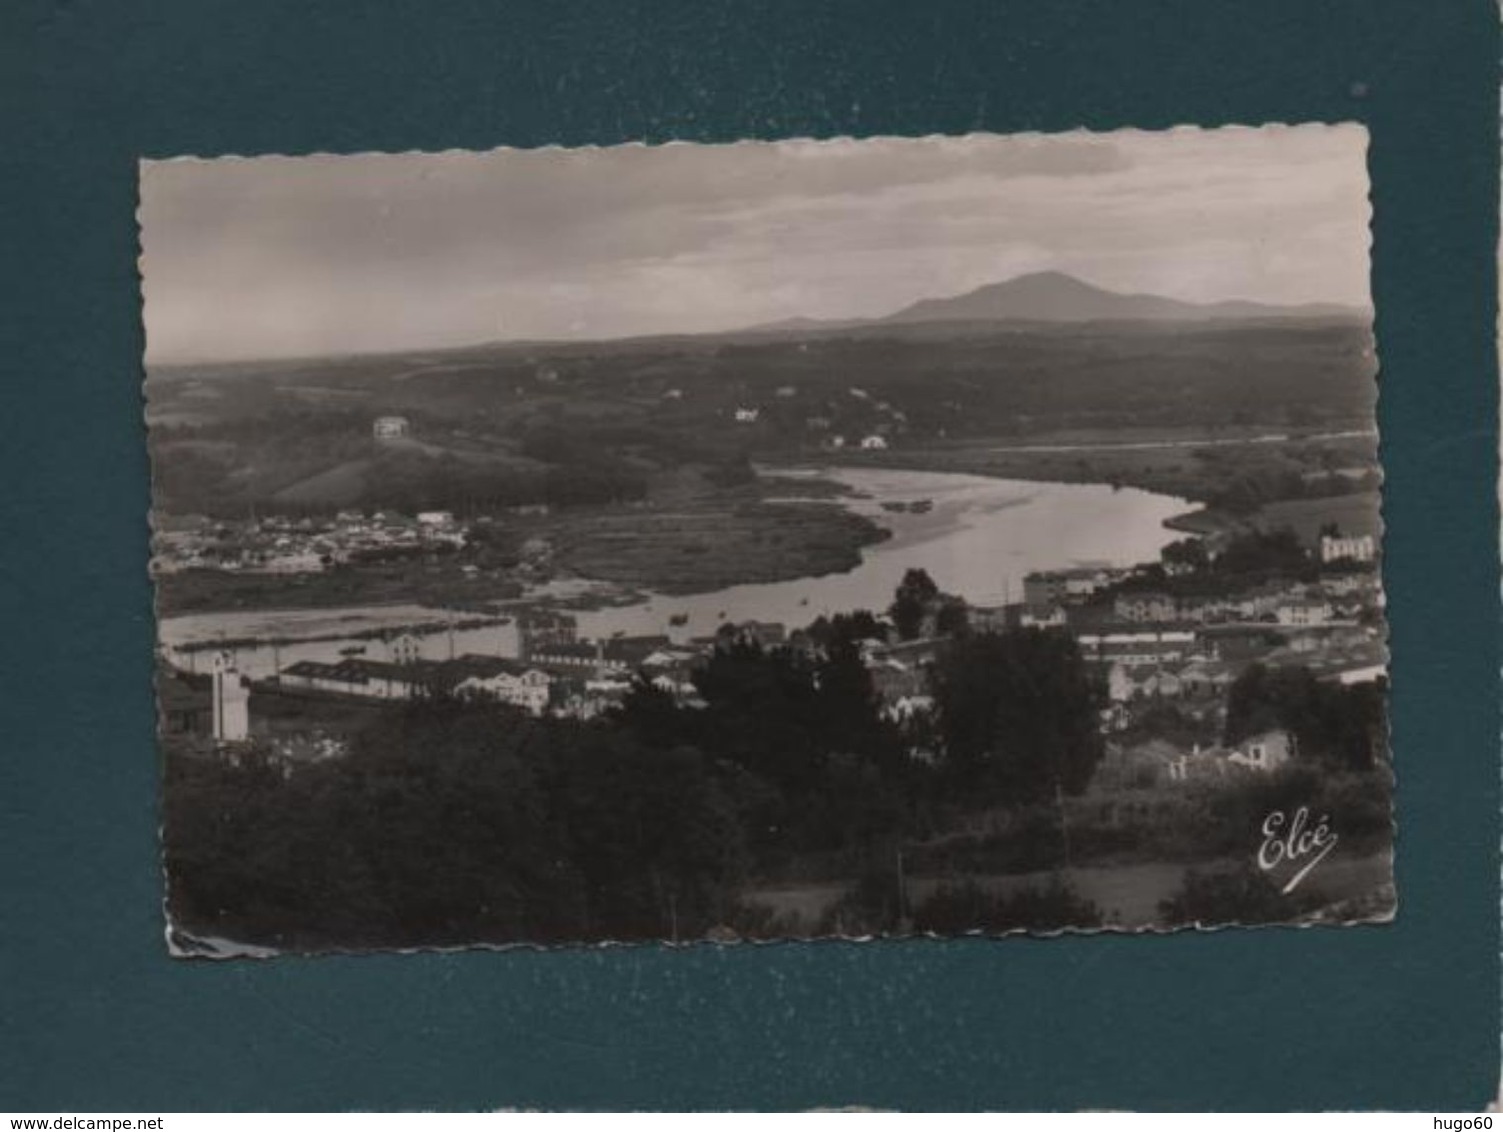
(1343, 725)
(1018, 714)
(911, 602)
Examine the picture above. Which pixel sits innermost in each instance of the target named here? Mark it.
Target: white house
(1123, 683)
(1358, 548)
(1266, 751)
(873, 442)
(1258, 602)
(1145, 608)
(1126, 682)
(905, 708)
(1145, 647)
(1198, 764)
(1303, 611)
(528, 689)
(390, 428)
(1349, 584)
(404, 650)
(1206, 678)
(1042, 616)
(1362, 674)
(435, 518)
(1044, 587)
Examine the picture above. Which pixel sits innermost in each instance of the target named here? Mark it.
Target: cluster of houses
(1073, 597)
(391, 428)
(561, 674)
(1339, 597)
(557, 673)
(1158, 763)
(279, 544)
(1156, 642)
(874, 423)
(486, 677)
(1151, 649)
(1148, 646)
(1193, 671)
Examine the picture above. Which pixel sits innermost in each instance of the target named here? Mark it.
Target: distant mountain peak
(1053, 296)
(1046, 277)
(1056, 296)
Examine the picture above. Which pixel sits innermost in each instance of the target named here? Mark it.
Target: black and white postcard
(776, 540)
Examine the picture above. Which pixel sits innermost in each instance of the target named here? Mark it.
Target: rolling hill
(1052, 296)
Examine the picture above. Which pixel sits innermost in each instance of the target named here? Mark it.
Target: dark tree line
(1249, 558)
(455, 823)
(1017, 712)
(920, 608)
(1344, 726)
(460, 822)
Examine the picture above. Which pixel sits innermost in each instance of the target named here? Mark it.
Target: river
(978, 539)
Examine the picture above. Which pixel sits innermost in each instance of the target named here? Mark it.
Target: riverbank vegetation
(695, 541)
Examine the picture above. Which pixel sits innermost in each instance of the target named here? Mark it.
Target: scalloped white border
(228, 949)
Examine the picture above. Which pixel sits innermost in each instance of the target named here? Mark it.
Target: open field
(709, 548)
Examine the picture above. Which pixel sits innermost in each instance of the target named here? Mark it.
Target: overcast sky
(278, 257)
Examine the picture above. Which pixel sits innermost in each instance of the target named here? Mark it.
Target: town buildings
(1060, 587)
(1356, 548)
(481, 677)
(1164, 649)
(279, 544)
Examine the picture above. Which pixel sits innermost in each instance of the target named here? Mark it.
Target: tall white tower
(231, 701)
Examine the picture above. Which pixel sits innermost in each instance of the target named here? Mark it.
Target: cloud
(285, 256)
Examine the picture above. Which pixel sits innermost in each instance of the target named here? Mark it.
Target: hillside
(575, 423)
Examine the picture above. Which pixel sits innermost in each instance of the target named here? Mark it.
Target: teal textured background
(94, 1017)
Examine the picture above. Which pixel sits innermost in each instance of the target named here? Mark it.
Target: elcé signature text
(1295, 841)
